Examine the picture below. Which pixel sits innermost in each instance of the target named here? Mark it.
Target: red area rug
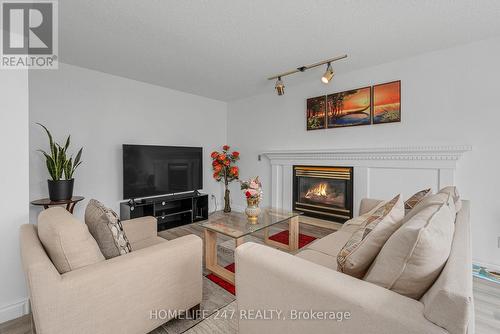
(281, 237)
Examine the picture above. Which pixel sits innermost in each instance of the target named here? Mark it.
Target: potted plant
(60, 168)
(224, 169)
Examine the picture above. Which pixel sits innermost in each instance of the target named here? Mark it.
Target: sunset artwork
(349, 108)
(316, 107)
(387, 103)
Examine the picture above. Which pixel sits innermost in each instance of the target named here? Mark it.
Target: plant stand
(47, 203)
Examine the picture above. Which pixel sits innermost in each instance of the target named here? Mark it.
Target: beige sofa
(268, 279)
(119, 295)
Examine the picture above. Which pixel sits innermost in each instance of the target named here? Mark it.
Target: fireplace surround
(324, 192)
(379, 172)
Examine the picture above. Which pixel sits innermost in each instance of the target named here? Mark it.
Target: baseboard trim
(490, 266)
(14, 310)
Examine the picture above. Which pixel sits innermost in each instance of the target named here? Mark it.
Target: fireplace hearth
(323, 192)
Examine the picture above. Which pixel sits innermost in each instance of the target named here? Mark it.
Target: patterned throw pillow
(415, 199)
(366, 242)
(107, 230)
(352, 225)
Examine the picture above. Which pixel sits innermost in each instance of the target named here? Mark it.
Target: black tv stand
(170, 211)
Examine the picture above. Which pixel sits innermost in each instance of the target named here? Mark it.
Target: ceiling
(225, 50)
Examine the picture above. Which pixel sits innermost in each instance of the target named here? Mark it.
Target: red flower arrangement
(225, 170)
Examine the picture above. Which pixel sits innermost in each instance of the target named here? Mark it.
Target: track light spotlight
(328, 74)
(280, 87)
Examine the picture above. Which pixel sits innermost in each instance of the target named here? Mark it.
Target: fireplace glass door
(323, 192)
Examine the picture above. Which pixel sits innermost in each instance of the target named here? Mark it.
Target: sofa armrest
(120, 294)
(268, 279)
(138, 229)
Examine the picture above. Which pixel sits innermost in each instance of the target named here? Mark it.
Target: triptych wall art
(363, 106)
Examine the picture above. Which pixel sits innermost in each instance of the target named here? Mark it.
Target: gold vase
(252, 210)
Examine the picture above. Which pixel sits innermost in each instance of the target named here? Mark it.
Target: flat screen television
(160, 170)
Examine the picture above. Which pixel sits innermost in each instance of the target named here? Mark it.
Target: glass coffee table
(236, 225)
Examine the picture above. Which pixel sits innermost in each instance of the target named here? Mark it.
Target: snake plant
(57, 161)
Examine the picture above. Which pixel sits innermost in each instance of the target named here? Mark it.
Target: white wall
(102, 112)
(15, 189)
(449, 97)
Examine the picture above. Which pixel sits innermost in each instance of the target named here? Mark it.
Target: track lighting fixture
(327, 77)
(280, 87)
(328, 74)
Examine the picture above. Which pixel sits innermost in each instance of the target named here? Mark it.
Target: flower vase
(252, 210)
(227, 201)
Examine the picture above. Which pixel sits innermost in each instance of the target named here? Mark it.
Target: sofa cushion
(414, 255)
(319, 258)
(140, 228)
(106, 228)
(453, 191)
(67, 241)
(330, 244)
(365, 243)
(411, 202)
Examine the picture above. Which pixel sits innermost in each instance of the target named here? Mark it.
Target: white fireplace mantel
(377, 172)
(408, 153)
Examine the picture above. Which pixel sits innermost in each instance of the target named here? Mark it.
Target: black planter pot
(60, 190)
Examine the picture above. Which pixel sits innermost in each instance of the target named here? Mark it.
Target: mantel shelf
(380, 153)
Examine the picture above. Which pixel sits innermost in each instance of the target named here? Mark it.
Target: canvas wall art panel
(316, 113)
(349, 108)
(387, 102)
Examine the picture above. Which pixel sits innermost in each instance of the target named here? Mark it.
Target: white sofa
(268, 279)
(119, 295)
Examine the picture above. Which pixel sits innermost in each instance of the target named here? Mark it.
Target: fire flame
(319, 190)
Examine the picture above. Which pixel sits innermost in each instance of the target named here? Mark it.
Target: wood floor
(487, 306)
(214, 297)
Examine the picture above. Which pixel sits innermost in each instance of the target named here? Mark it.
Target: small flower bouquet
(253, 193)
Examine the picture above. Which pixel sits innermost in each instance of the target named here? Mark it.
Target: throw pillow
(67, 241)
(354, 224)
(366, 242)
(411, 202)
(415, 254)
(107, 230)
(453, 191)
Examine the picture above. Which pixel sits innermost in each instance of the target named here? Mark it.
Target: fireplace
(323, 192)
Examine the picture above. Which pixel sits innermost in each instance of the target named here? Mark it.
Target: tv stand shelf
(170, 211)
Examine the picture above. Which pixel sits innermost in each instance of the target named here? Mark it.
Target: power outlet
(214, 199)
